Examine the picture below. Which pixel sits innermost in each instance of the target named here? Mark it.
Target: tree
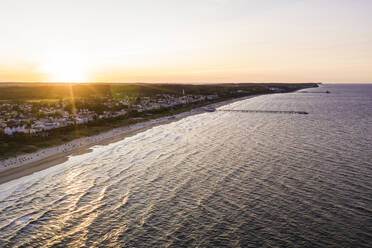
(68, 108)
(41, 114)
(29, 126)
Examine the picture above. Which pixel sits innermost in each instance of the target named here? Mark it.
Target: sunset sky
(186, 40)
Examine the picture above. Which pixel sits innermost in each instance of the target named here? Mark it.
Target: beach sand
(19, 166)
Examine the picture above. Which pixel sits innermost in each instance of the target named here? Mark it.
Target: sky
(193, 41)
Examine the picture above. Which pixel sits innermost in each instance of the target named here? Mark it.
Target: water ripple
(219, 179)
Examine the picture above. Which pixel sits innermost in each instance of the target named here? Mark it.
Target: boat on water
(327, 92)
(209, 109)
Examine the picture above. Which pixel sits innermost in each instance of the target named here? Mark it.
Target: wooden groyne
(265, 111)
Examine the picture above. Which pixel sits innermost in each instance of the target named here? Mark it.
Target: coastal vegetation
(57, 91)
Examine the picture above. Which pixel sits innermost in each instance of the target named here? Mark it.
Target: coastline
(27, 164)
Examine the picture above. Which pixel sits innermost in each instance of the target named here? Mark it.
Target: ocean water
(220, 179)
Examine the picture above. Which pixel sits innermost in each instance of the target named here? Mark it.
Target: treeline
(29, 91)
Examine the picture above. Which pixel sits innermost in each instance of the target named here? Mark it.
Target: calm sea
(220, 179)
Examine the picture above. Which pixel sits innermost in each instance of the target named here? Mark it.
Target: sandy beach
(27, 164)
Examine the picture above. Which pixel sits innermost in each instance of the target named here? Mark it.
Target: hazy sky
(186, 40)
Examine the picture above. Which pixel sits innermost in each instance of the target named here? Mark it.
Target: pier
(316, 92)
(265, 111)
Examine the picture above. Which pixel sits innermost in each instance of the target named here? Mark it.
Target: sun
(65, 68)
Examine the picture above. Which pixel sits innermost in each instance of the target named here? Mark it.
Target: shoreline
(27, 164)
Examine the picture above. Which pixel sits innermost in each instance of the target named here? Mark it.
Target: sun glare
(65, 69)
